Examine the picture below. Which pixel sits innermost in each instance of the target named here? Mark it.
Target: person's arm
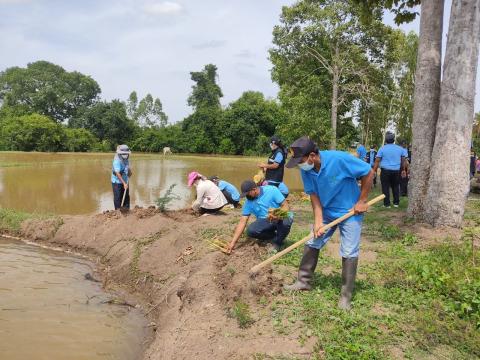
(200, 195)
(366, 185)
(376, 165)
(269, 166)
(284, 206)
(317, 215)
(238, 232)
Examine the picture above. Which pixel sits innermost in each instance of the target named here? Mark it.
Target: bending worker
(260, 201)
(209, 197)
(229, 191)
(330, 178)
(120, 173)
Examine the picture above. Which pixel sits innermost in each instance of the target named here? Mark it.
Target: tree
(33, 132)
(205, 93)
(323, 59)
(48, 89)
(79, 140)
(132, 104)
(149, 113)
(449, 177)
(107, 121)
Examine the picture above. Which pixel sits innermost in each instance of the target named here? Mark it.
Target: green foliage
(241, 312)
(47, 89)
(11, 220)
(164, 201)
(80, 140)
(401, 8)
(147, 113)
(205, 93)
(31, 133)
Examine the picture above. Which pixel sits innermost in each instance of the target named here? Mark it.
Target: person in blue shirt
(391, 159)
(259, 179)
(330, 178)
(260, 200)
(371, 156)
(229, 191)
(275, 167)
(120, 173)
(361, 152)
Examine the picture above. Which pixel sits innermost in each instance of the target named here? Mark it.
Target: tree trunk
(426, 103)
(335, 83)
(449, 175)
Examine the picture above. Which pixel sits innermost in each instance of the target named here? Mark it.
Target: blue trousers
(263, 229)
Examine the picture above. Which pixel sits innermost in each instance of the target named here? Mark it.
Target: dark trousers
(118, 191)
(210, 211)
(228, 196)
(404, 186)
(390, 179)
(263, 229)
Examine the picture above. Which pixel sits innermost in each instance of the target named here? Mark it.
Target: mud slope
(187, 289)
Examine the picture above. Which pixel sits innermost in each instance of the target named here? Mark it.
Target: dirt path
(187, 289)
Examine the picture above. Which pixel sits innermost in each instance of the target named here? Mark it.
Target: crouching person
(330, 178)
(210, 199)
(261, 200)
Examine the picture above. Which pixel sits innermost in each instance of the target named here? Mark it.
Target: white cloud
(14, 1)
(162, 8)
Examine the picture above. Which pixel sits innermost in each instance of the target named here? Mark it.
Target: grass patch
(241, 312)
(11, 220)
(140, 245)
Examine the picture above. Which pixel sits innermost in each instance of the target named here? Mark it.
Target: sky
(151, 46)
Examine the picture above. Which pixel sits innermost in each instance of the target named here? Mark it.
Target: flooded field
(66, 183)
(49, 311)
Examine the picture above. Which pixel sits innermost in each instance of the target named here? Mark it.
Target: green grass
(241, 312)
(415, 301)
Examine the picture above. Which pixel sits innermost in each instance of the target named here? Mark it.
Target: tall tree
(149, 113)
(449, 177)
(426, 103)
(132, 105)
(205, 93)
(48, 89)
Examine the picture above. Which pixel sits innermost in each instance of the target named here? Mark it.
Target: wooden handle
(271, 259)
(124, 193)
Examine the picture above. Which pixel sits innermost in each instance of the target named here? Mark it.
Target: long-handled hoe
(254, 270)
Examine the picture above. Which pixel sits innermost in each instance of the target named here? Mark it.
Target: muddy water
(80, 183)
(44, 315)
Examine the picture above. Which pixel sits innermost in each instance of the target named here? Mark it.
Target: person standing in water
(120, 173)
(275, 167)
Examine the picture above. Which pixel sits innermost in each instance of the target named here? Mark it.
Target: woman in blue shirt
(120, 173)
(275, 167)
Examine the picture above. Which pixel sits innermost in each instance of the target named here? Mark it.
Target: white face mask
(306, 166)
(273, 146)
(124, 156)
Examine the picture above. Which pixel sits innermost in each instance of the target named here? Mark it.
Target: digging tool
(122, 209)
(254, 270)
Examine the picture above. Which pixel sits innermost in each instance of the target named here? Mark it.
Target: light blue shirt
(362, 152)
(270, 197)
(391, 156)
(121, 166)
(283, 189)
(278, 158)
(232, 190)
(336, 182)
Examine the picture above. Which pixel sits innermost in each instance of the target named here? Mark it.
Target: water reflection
(80, 183)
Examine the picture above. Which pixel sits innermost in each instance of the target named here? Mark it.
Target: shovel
(254, 270)
(122, 209)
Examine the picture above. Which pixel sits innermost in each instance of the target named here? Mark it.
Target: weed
(231, 270)
(140, 244)
(241, 312)
(409, 239)
(164, 201)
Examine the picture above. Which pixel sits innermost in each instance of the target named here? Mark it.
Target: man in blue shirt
(391, 159)
(330, 178)
(229, 191)
(120, 173)
(371, 156)
(260, 200)
(361, 152)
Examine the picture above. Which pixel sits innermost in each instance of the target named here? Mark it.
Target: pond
(48, 310)
(79, 183)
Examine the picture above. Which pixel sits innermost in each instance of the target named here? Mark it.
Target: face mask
(249, 197)
(272, 146)
(124, 156)
(306, 166)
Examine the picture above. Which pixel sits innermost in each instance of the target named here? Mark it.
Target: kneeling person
(330, 178)
(229, 191)
(260, 199)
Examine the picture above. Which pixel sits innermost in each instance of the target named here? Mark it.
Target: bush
(80, 140)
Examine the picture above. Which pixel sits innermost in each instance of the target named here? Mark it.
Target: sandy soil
(187, 289)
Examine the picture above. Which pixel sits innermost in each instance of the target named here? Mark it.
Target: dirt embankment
(186, 288)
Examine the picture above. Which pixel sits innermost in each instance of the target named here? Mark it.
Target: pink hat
(192, 177)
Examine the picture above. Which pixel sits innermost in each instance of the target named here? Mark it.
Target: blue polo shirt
(270, 197)
(391, 156)
(232, 190)
(361, 152)
(336, 182)
(120, 166)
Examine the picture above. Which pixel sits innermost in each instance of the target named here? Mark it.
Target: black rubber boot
(349, 272)
(306, 270)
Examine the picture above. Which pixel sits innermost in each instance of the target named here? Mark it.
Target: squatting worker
(330, 178)
(276, 162)
(120, 173)
(391, 159)
(229, 191)
(209, 197)
(260, 199)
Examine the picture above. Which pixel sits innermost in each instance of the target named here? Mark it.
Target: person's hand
(261, 166)
(318, 229)
(230, 247)
(272, 217)
(129, 173)
(125, 186)
(360, 207)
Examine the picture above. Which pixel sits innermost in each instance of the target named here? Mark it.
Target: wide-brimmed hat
(192, 177)
(123, 150)
(300, 148)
